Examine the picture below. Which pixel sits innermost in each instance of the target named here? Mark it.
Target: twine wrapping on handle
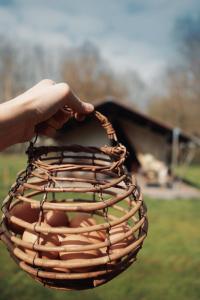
(106, 125)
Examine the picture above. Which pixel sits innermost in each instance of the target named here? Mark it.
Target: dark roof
(110, 107)
(115, 111)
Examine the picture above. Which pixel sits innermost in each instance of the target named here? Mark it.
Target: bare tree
(90, 76)
(7, 67)
(181, 104)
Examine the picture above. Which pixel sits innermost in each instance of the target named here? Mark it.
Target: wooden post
(175, 149)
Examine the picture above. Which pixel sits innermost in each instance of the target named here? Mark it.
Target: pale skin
(41, 110)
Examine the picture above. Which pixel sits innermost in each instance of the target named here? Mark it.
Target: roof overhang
(116, 111)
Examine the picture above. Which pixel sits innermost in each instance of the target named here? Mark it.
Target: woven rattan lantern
(74, 219)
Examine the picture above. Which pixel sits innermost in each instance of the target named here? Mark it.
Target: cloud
(131, 34)
(6, 2)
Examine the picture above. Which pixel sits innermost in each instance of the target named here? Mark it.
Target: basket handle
(107, 126)
(105, 123)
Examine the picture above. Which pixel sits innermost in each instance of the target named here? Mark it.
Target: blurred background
(139, 63)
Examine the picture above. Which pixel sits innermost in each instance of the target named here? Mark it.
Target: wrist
(15, 122)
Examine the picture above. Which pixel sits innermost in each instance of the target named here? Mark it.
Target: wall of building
(143, 139)
(146, 141)
(90, 134)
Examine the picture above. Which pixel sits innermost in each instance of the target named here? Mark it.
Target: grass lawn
(191, 173)
(168, 266)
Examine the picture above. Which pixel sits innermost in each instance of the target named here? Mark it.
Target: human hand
(40, 108)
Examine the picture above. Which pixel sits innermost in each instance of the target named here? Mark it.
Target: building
(154, 147)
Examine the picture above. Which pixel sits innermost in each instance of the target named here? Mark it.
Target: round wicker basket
(87, 182)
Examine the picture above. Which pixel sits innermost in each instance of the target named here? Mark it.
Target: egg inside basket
(75, 218)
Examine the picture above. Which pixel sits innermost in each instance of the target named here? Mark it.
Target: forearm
(15, 118)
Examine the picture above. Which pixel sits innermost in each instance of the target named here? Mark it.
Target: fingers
(79, 117)
(40, 86)
(37, 88)
(56, 122)
(45, 129)
(77, 105)
(62, 92)
(53, 96)
(59, 119)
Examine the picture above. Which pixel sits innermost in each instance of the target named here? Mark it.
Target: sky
(131, 35)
